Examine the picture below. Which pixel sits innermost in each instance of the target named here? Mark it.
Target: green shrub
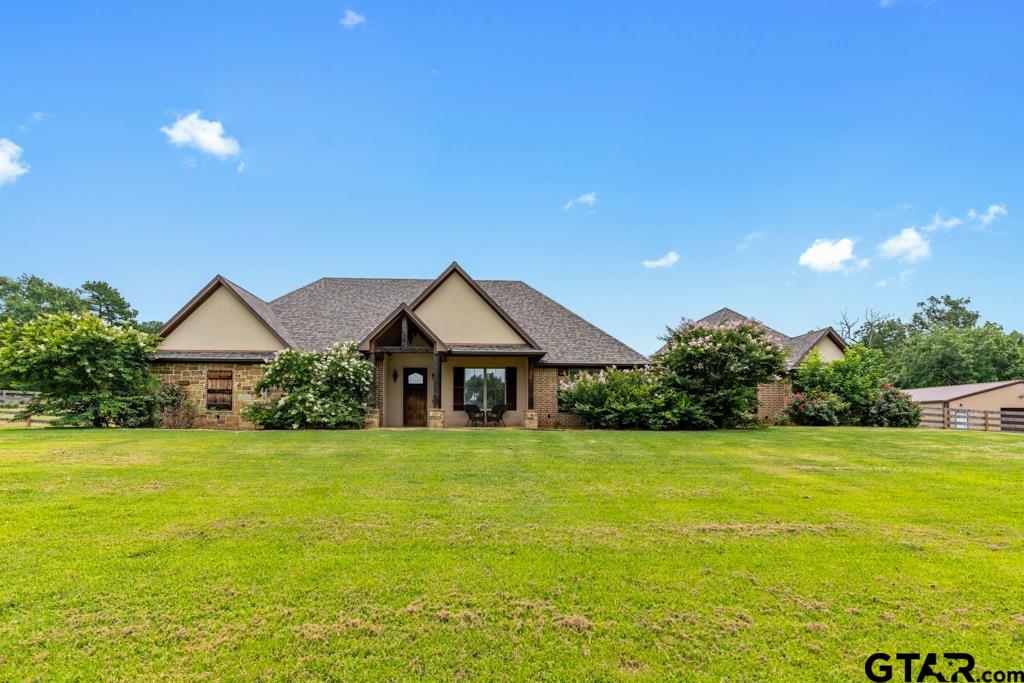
(625, 399)
(855, 379)
(88, 372)
(176, 411)
(894, 408)
(313, 390)
(718, 368)
(816, 408)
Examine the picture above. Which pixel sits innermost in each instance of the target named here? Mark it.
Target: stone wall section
(191, 377)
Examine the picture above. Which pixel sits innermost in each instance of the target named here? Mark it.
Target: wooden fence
(10, 396)
(939, 417)
(11, 402)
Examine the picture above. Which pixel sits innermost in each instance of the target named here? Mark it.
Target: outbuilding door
(1011, 420)
(414, 397)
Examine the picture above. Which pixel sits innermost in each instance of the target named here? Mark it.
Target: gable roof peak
(255, 305)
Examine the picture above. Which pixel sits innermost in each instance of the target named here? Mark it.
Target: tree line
(25, 298)
(943, 343)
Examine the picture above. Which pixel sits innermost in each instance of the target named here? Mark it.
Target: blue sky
(797, 158)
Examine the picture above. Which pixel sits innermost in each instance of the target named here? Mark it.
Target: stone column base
(435, 418)
(530, 419)
(372, 419)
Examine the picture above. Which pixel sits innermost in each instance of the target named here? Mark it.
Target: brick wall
(192, 378)
(378, 381)
(545, 401)
(773, 398)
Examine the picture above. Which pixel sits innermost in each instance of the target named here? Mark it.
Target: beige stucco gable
(456, 313)
(828, 349)
(221, 323)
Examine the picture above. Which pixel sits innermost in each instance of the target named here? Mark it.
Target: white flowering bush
(313, 390)
(717, 368)
(88, 371)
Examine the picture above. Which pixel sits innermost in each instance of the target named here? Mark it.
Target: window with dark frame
(484, 387)
(219, 387)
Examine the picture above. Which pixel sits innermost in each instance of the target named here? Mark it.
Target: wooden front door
(414, 397)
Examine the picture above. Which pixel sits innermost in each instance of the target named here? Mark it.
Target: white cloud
(939, 223)
(240, 167)
(38, 116)
(830, 256)
(192, 130)
(749, 239)
(905, 206)
(991, 214)
(909, 246)
(903, 278)
(351, 19)
(11, 165)
(586, 199)
(665, 261)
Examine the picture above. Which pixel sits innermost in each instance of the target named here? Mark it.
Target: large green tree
(956, 355)
(943, 313)
(27, 297)
(88, 371)
(942, 344)
(106, 303)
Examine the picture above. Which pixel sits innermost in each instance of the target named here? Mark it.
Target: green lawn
(745, 555)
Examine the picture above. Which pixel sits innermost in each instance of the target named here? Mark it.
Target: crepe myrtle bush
(894, 408)
(625, 399)
(718, 369)
(313, 390)
(817, 409)
(88, 372)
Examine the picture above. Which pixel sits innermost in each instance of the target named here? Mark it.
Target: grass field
(748, 555)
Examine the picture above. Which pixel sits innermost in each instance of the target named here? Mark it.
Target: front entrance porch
(473, 391)
(420, 381)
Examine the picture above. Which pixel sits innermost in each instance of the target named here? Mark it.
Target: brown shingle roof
(955, 391)
(343, 309)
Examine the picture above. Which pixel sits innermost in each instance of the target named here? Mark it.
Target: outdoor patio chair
(496, 414)
(475, 415)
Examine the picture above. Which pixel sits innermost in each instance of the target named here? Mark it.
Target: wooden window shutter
(511, 388)
(219, 388)
(458, 388)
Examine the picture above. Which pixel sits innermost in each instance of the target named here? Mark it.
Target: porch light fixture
(394, 375)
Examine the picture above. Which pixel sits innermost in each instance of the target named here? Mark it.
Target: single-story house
(773, 398)
(990, 406)
(437, 346)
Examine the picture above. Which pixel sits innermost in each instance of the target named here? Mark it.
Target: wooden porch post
(437, 381)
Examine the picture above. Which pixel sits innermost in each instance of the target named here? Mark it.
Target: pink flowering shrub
(717, 368)
(706, 377)
(816, 408)
(894, 408)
